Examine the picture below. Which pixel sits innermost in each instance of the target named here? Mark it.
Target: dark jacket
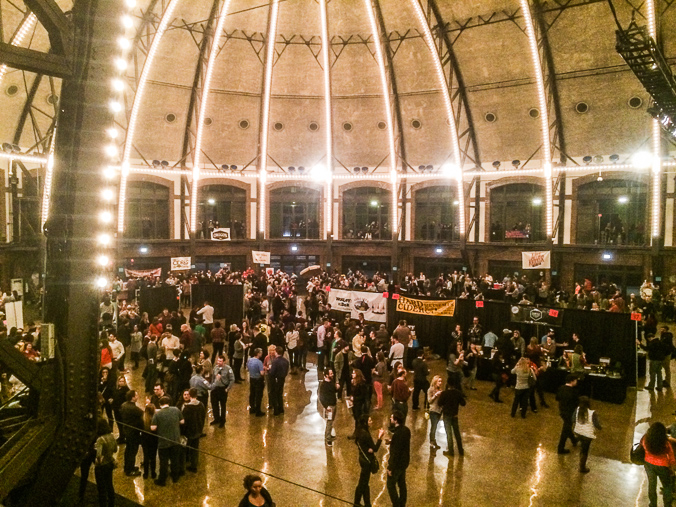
(132, 418)
(400, 449)
(568, 399)
(656, 350)
(193, 415)
(449, 401)
(279, 368)
(364, 442)
(260, 341)
(264, 494)
(327, 394)
(420, 370)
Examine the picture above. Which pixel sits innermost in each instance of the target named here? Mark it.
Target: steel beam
(56, 23)
(193, 108)
(34, 61)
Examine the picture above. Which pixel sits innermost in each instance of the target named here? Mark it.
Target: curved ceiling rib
(17, 39)
(194, 97)
(136, 106)
(371, 11)
(544, 115)
(455, 79)
(265, 112)
(328, 219)
(455, 171)
(211, 63)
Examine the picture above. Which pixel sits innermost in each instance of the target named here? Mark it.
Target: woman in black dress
(367, 450)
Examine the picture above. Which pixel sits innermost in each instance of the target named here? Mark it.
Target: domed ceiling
(488, 41)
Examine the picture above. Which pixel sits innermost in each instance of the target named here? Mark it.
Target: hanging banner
(439, 308)
(180, 263)
(221, 234)
(536, 260)
(260, 257)
(371, 304)
(142, 273)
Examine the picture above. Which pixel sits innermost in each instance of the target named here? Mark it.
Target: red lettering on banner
(637, 317)
(536, 259)
(553, 313)
(395, 296)
(479, 304)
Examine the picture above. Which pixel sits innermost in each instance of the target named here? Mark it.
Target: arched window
(221, 206)
(517, 213)
(294, 213)
(612, 212)
(147, 210)
(436, 214)
(366, 213)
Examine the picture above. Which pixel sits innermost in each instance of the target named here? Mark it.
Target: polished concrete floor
(507, 462)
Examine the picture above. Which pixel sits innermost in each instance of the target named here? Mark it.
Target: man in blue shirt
(256, 383)
(223, 380)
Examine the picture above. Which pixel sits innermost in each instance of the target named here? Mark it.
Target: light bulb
(112, 133)
(103, 260)
(124, 43)
(121, 64)
(111, 150)
(104, 239)
(101, 282)
(109, 172)
(107, 194)
(127, 21)
(115, 106)
(130, 3)
(106, 217)
(118, 85)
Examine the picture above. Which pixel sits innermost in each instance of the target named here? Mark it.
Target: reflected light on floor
(538, 473)
(265, 438)
(383, 474)
(139, 491)
(640, 491)
(205, 502)
(264, 469)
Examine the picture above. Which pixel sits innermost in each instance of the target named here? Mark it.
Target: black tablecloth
(598, 387)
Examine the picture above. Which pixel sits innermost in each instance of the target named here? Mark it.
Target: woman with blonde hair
(523, 373)
(435, 410)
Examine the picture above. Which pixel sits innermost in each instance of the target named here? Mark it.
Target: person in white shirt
(169, 344)
(118, 351)
(396, 351)
(207, 313)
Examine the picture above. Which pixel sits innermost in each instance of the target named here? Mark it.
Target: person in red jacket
(659, 462)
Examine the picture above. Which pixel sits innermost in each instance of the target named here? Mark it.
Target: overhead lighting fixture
(101, 282)
(537, 201)
(438, 250)
(496, 164)
(211, 201)
(623, 199)
(294, 248)
(104, 239)
(117, 84)
(374, 203)
(143, 249)
(105, 217)
(587, 159)
(127, 21)
(607, 256)
(103, 260)
(642, 160)
(107, 194)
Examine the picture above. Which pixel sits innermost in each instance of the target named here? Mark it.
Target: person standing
(218, 339)
(149, 443)
(365, 363)
(585, 426)
(400, 393)
(450, 401)
(324, 337)
(367, 454)
(279, 369)
(521, 389)
(359, 394)
(379, 373)
(132, 419)
(659, 462)
(201, 385)
(104, 464)
(136, 345)
(151, 365)
(568, 399)
(256, 383)
(167, 423)
(656, 355)
(194, 414)
(238, 358)
(328, 397)
(667, 340)
(207, 313)
(118, 352)
(420, 382)
(223, 380)
(397, 351)
(456, 360)
(400, 457)
(435, 410)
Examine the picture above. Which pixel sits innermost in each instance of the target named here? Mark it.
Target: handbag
(637, 454)
(372, 460)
